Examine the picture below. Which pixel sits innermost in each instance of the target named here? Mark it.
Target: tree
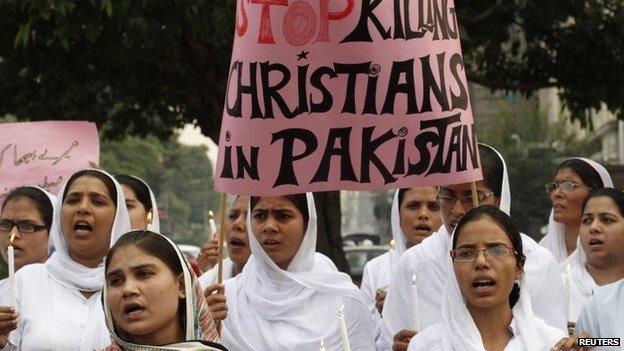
(180, 176)
(533, 149)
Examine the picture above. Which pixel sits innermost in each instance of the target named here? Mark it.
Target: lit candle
(11, 255)
(415, 320)
(213, 225)
(344, 335)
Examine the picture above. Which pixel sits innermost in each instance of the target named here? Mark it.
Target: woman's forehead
(482, 231)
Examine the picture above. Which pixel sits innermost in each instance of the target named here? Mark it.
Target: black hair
(587, 173)
(154, 245)
(508, 226)
(299, 200)
(108, 182)
(492, 168)
(140, 189)
(614, 194)
(41, 200)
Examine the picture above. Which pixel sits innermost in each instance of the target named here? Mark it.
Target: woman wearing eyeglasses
(27, 215)
(426, 261)
(485, 304)
(574, 179)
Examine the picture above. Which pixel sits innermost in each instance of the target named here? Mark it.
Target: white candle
(567, 290)
(213, 225)
(415, 319)
(392, 258)
(344, 335)
(11, 255)
(322, 345)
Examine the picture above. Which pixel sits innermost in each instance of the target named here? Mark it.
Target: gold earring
(149, 217)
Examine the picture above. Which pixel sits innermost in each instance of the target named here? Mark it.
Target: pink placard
(345, 94)
(45, 153)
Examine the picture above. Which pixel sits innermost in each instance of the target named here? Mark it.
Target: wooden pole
(475, 194)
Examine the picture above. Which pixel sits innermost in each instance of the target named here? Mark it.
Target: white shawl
(428, 262)
(274, 309)
(555, 236)
(459, 332)
(66, 271)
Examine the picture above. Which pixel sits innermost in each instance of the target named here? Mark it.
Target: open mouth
(423, 228)
(236, 243)
(133, 309)
(483, 284)
(593, 242)
(83, 227)
(270, 244)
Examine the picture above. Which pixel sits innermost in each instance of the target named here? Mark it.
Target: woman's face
(568, 206)
(485, 282)
(87, 218)
(136, 209)
(602, 232)
(278, 226)
(28, 247)
(451, 214)
(420, 214)
(143, 296)
(236, 237)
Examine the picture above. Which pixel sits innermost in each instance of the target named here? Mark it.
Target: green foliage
(134, 67)
(523, 45)
(533, 148)
(180, 176)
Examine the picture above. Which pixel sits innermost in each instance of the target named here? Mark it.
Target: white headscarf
(305, 297)
(461, 333)
(398, 236)
(70, 273)
(555, 236)
(428, 262)
(53, 228)
(154, 225)
(200, 327)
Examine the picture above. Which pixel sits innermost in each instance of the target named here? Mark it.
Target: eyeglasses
(22, 226)
(566, 187)
(466, 201)
(467, 254)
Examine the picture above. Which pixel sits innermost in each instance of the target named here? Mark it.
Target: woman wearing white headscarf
(169, 296)
(288, 297)
(141, 203)
(31, 208)
(483, 308)
(599, 256)
(572, 183)
(415, 215)
(426, 262)
(59, 303)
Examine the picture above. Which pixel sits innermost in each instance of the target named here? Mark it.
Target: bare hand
(215, 297)
(209, 255)
(571, 344)
(380, 298)
(8, 323)
(402, 339)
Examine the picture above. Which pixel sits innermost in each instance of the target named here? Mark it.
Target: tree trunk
(329, 239)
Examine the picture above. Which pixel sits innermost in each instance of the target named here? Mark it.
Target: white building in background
(607, 131)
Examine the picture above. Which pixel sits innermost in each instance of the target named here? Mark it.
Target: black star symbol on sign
(302, 55)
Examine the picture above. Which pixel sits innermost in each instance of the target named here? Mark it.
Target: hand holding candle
(344, 334)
